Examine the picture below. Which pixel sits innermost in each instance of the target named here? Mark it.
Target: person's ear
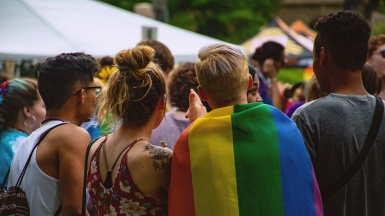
(202, 93)
(250, 83)
(323, 55)
(27, 112)
(81, 96)
(163, 102)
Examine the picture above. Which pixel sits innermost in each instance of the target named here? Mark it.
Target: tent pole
(17, 69)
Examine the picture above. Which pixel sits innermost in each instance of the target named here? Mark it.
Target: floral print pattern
(124, 197)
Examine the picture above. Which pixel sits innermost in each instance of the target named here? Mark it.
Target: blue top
(263, 87)
(10, 139)
(92, 128)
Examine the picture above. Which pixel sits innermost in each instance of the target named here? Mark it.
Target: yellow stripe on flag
(213, 166)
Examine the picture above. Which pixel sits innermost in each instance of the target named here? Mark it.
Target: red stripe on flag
(180, 196)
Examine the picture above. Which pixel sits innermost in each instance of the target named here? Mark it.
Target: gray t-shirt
(334, 129)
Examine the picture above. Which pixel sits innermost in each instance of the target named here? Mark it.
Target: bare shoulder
(69, 136)
(73, 133)
(96, 143)
(160, 157)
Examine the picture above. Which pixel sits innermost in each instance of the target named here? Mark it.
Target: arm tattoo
(160, 160)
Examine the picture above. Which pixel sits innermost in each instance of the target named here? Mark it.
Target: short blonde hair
(222, 72)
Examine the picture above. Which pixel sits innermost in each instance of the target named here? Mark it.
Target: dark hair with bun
(269, 49)
(134, 91)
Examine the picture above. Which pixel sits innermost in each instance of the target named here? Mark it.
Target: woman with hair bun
(21, 112)
(269, 59)
(127, 175)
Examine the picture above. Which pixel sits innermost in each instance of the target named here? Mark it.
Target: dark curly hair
(344, 35)
(181, 81)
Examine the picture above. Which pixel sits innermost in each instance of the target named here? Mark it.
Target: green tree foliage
(228, 20)
(378, 29)
(366, 7)
(232, 21)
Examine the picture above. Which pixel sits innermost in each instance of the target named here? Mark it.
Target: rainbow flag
(247, 159)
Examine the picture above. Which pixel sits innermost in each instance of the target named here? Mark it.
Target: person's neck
(348, 83)
(62, 115)
(19, 126)
(130, 133)
(220, 104)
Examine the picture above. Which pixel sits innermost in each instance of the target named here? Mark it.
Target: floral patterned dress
(124, 197)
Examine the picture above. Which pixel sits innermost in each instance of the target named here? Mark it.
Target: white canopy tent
(33, 29)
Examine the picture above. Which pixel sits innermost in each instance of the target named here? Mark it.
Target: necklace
(23, 131)
(51, 119)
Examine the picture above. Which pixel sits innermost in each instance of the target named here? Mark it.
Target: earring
(31, 125)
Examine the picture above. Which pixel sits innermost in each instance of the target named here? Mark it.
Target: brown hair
(374, 42)
(163, 55)
(371, 80)
(314, 91)
(181, 81)
(21, 93)
(133, 92)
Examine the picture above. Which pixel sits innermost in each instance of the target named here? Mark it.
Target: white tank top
(42, 191)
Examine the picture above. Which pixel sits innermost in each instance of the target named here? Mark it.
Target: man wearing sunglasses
(54, 177)
(376, 54)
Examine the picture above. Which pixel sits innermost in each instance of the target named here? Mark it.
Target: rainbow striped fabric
(247, 159)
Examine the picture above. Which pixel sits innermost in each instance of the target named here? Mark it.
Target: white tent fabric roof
(43, 28)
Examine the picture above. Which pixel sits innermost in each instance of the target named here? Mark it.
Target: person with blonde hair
(127, 174)
(241, 158)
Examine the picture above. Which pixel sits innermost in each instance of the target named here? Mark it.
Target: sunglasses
(382, 52)
(97, 89)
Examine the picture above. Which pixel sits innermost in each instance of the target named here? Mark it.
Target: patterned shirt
(124, 197)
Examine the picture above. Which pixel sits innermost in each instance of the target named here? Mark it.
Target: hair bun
(135, 59)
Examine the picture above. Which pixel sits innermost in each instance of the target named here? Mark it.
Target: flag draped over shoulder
(247, 159)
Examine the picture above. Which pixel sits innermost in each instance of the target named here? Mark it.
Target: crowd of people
(219, 136)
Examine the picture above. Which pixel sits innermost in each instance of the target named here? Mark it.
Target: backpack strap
(42, 136)
(352, 170)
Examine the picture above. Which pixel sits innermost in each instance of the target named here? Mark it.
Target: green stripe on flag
(256, 143)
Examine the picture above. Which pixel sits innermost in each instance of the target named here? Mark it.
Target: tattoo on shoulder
(160, 160)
